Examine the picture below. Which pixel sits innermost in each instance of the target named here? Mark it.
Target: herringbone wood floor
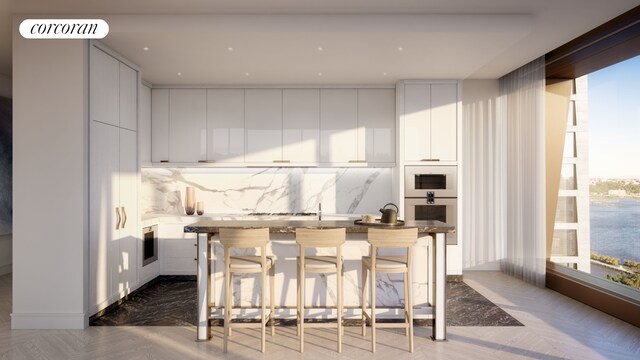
(556, 327)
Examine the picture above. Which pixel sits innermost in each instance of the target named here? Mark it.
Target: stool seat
(384, 263)
(249, 262)
(324, 263)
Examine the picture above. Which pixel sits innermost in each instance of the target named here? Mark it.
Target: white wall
(50, 218)
(5, 86)
(482, 234)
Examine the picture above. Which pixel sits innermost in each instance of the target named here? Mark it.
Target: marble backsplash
(269, 190)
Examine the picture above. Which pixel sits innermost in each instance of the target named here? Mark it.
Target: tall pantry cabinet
(113, 179)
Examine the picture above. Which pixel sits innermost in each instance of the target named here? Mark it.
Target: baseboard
(72, 321)
(6, 269)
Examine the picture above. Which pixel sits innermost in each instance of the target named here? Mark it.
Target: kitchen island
(429, 272)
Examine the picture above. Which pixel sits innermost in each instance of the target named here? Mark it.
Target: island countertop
(289, 226)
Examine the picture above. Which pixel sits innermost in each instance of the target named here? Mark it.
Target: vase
(200, 207)
(190, 201)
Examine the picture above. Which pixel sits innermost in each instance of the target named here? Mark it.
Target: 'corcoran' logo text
(64, 28)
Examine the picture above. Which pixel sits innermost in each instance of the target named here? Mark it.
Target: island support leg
(440, 323)
(203, 293)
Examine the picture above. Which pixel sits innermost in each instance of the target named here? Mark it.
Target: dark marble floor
(171, 301)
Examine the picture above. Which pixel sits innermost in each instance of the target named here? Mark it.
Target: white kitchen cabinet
(225, 125)
(113, 181)
(114, 231)
(144, 125)
(178, 250)
(377, 125)
(263, 125)
(444, 114)
(104, 87)
(301, 125)
(128, 97)
(338, 125)
(187, 125)
(160, 125)
(430, 121)
(417, 122)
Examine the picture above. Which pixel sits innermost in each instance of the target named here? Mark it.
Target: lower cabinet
(114, 230)
(178, 250)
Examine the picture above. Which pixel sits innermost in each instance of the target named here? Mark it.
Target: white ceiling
(276, 42)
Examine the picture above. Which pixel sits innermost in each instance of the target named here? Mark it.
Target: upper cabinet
(301, 125)
(187, 125)
(263, 125)
(160, 125)
(377, 125)
(430, 122)
(338, 125)
(274, 126)
(113, 91)
(225, 125)
(104, 87)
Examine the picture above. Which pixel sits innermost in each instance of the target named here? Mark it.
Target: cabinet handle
(357, 161)
(429, 159)
(118, 216)
(206, 161)
(164, 161)
(282, 161)
(124, 215)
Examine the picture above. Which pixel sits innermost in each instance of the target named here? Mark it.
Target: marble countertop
(289, 226)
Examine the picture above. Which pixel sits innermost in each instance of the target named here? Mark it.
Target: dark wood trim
(615, 41)
(597, 293)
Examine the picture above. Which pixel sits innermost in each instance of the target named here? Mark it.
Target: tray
(378, 223)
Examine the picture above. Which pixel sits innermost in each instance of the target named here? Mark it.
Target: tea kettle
(389, 216)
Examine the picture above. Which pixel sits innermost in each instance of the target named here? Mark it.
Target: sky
(614, 121)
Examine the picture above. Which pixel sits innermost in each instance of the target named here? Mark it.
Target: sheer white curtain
(521, 108)
(484, 142)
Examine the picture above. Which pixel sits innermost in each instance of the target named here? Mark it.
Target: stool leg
(302, 275)
(263, 304)
(406, 307)
(339, 291)
(364, 299)
(373, 309)
(227, 306)
(409, 300)
(272, 276)
(298, 279)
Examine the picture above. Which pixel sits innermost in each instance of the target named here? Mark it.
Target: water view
(615, 228)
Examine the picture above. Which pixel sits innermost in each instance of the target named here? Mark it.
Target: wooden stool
(319, 238)
(247, 238)
(388, 238)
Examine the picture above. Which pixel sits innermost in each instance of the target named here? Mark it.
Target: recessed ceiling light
(384, 74)
(246, 74)
(320, 48)
(400, 48)
(179, 74)
(319, 74)
(230, 48)
(146, 48)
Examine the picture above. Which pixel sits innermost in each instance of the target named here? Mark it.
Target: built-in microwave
(434, 181)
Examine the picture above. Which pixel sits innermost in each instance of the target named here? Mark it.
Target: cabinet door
(128, 97)
(225, 125)
(301, 125)
(377, 125)
(159, 125)
(104, 75)
(417, 122)
(104, 194)
(263, 125)
(188, 125)
(444, 111)
(144, 125)
(338, 125)
(129, 230)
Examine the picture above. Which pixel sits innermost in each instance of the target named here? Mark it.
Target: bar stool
(319, 238)
(388, 238)
(247, 238)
